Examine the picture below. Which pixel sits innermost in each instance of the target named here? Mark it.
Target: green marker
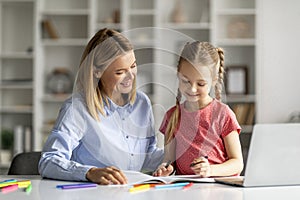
(28, 189)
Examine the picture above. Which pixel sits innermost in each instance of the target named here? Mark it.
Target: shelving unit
(156, 31)
(17, 65)
(72, 22)
(233, 29)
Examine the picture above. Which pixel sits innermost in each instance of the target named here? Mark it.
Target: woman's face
(194, 83)
(119, 76)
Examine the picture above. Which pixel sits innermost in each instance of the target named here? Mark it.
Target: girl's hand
(164, 169)
(106, 176)
(201, 167)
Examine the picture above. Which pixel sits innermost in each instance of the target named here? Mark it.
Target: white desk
(46, 190)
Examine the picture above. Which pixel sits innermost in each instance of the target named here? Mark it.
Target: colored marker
(193, 164)
(174, 185)
(9, 188)
(9, 181)
(24, 184)
(28, 189)
(188, 186)
(76, 186)
(168, 163)
(21, 184)
(140, 188)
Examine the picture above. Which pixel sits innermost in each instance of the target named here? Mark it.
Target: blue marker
(9, 181)
(174, 185)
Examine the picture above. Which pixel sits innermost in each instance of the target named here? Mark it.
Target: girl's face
(119, 76)
(194, 83)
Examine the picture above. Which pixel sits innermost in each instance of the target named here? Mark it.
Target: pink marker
(9, 188)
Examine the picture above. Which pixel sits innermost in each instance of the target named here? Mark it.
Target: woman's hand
(201, 167)
(106, 176)
(164, 169)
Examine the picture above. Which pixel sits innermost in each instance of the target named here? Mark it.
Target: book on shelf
(244, 113)
(49, 29)
(251, 114)
(135, 177)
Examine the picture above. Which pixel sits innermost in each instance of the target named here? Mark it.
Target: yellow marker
(24, 184)
(7, 184)
(140, 188)
(21, 184)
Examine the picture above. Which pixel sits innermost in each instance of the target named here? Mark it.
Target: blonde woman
(106, 126)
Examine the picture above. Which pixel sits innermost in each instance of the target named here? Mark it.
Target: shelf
(250, 98)
(143, 43)
(64, 42)
(116, 26)
(62, 12)
(196, 26)
(236, 42)
(16, 85)
(17, 1)
(55, 98)
(16, 55)
(142, 12)
(236, 11)
(22, 109)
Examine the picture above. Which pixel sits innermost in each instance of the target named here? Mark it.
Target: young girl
(201, 134)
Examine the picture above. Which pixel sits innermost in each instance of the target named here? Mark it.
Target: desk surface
(46, 190)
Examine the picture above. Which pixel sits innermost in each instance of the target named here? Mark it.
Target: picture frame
(236, 81)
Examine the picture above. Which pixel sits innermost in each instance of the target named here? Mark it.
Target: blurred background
(41, 42)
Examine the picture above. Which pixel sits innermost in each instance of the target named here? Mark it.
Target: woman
(106, 126)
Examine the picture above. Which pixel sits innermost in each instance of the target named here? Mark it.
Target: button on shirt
(124, 138)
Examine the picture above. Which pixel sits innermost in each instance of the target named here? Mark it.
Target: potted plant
(7, 141)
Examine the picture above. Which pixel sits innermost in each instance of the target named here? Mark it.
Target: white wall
(278, 59)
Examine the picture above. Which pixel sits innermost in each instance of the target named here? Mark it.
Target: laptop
(273, 157)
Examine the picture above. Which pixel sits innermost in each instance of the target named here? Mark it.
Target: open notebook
(135, 177)
(273, 158)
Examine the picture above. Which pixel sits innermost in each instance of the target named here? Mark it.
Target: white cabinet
(233, 29)
(39, 38)
(17, 65)
(71, 22)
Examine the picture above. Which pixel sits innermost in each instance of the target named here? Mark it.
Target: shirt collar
(110, 107)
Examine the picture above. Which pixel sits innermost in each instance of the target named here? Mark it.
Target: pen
(75, 186)
(168, 163)
(174, 185)
(196, 163)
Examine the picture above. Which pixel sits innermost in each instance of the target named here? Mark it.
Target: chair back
(25, 163)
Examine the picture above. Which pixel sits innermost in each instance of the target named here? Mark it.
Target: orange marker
(188, 186)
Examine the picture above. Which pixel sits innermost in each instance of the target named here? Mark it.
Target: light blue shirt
(124, 138)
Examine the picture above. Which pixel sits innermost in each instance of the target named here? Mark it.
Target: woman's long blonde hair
(103, 48)
(198, 54)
